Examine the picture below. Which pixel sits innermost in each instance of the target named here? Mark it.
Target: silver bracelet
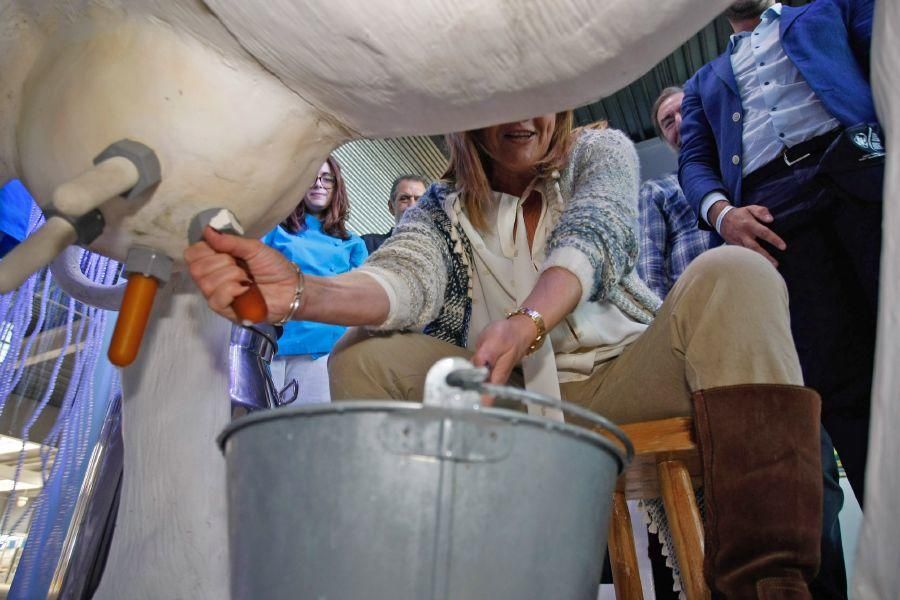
(721, 216)
(298, 296)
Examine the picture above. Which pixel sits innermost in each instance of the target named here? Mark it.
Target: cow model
(239, 103)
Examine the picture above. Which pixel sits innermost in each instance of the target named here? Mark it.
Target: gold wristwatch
(538, 321)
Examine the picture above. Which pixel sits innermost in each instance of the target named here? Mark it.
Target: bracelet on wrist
(538, 321)
(298, 296)
(721, 216)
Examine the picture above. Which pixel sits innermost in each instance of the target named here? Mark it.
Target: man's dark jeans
(830, 267)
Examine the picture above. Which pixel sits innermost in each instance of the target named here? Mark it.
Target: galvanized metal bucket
(402, 501)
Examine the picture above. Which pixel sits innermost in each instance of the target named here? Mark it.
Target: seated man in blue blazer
(763, 126)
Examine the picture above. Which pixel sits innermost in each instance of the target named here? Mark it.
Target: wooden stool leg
(684, 525)
(622, 557)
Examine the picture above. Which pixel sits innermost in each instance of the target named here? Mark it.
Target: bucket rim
(356, 406)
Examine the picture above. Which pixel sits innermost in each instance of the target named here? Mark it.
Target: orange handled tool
(250, 307)
(129, 331)
(146, 269)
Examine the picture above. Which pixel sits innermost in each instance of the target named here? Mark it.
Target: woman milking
(522, 260)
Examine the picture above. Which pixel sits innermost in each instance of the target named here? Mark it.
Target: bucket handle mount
(474, 380)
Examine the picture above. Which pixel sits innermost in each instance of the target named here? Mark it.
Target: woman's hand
(502, 345)
(212, 265)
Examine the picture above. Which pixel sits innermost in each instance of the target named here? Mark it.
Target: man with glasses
(405, 192)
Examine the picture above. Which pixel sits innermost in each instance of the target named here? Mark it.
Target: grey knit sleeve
(595, 237)
(412, 267)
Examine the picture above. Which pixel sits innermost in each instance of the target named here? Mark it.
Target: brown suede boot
(762, 484)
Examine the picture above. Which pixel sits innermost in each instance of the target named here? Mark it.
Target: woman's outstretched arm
(348, 299)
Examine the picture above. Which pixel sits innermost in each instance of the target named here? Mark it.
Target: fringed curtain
(39, 306)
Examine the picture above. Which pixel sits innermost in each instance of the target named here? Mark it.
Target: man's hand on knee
(747, 225)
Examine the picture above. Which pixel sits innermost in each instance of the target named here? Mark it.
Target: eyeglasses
(326, 180)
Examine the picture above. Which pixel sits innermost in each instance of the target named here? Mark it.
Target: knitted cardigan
(425, 267)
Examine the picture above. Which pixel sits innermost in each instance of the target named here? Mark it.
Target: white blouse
(593, 333)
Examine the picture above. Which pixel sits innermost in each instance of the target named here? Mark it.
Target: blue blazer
(827, 40)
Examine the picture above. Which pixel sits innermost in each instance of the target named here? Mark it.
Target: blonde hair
(596, 125)
(469, 170)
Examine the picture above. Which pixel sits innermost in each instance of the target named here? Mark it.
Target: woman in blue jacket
(315, 237)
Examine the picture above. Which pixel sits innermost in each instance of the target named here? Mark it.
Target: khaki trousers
(725, 322)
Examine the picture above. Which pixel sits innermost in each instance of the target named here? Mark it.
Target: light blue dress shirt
(317, 253)
(780, 109)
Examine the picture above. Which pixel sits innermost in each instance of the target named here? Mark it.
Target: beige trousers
(725, 322)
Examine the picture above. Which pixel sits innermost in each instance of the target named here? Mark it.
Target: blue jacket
(15, 215)
(317, 253)
(827, 40)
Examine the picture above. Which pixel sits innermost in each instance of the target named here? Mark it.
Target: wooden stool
(667, 464)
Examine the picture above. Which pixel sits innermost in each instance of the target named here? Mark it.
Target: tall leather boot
(762, 489)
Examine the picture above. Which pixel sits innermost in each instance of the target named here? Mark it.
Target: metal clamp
(293, 388)
(456, 438)
(88, 226)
